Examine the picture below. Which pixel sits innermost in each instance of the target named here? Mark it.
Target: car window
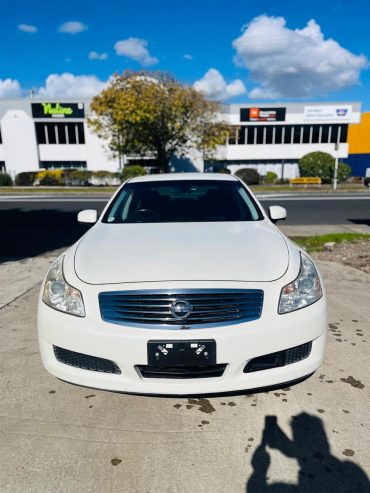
(182, 201)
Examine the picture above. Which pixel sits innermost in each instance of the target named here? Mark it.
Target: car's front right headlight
(58, 294)
(304, 290)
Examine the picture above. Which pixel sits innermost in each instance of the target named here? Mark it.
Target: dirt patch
(353, 382)
(204, 405)
(348, 452)
(355, 254)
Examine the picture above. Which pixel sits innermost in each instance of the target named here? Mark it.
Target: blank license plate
(182, 353)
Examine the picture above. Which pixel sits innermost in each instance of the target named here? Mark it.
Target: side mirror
(277, 213)
(87, 216)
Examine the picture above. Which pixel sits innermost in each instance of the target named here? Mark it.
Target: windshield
(182, 201)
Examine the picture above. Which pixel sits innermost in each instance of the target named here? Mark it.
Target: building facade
(37, 134)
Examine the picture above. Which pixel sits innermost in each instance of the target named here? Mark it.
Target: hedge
(132, 171)
(69, 177)
(25, 179)
(5, 180)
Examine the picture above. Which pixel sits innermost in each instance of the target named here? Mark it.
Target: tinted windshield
(182, 201)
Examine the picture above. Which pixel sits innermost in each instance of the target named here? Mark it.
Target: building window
(269, 129)
(62, 164)
(315, 134)
(250, 136)
(60, 133)
(241, 136)
(279, 134)
(260, 132)
(1, 139)
(325, 134)
(343, 129)
(2, 166)
(296, 134)
(338, 134)
(271, 134)
(306, 134)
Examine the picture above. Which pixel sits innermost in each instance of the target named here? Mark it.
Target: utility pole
(335, 181)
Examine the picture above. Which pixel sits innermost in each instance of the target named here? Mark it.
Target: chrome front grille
(181, 307)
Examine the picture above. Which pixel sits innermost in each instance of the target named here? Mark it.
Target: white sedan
(183, 286)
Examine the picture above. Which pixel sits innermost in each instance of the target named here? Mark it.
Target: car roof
(183, 177)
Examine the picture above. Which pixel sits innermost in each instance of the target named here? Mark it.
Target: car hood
(219, 251)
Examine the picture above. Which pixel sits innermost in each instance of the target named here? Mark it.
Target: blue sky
(232, 50)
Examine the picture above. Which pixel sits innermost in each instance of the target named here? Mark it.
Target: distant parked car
(183, 286)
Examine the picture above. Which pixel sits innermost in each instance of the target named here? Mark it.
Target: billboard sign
(322, 113)
(262, 114)
(58, 110)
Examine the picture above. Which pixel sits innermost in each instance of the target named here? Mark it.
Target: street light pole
(336, 148)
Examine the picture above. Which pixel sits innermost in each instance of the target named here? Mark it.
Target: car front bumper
(236, 345)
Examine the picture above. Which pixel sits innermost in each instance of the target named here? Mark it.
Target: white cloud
(214, 86)
(72, 27)
(68, 85)
(10, 88)
(136, 49)
(26, 28)
(94, 55)
(188, 57)
(294, 62)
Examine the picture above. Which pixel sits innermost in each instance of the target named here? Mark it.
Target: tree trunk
(163, 161)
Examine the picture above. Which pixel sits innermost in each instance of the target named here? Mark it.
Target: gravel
(356, 254)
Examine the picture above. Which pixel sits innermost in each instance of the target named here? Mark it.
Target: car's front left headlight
(58, 294)
(304, 290)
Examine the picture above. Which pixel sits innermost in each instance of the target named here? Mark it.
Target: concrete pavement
(56, 437)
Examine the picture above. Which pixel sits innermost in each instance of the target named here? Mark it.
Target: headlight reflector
(304, 290)
(58, 294)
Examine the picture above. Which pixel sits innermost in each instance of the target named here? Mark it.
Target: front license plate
(182, 353)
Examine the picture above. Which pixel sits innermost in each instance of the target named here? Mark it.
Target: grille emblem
(181, 309)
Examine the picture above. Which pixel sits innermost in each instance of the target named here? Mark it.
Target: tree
(144, 113)
(322, 164)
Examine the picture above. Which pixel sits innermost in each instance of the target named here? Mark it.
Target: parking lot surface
(310, 437)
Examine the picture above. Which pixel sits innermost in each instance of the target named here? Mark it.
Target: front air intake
(280, 358)
(84, 361)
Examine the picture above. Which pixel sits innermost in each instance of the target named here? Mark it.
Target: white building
(38, 134)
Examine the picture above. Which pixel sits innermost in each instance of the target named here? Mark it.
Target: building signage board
(340, 113)
(58, 110)
(262, 114)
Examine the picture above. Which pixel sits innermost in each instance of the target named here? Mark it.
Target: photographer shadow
(319, 470)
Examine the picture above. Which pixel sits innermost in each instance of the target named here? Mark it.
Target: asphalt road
(33, 225)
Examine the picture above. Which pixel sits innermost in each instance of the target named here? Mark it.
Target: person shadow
(319, 470)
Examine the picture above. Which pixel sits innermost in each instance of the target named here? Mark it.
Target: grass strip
(316, 243)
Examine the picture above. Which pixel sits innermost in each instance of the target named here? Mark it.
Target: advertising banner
(262, 114)
(340, 113)
(58, 110)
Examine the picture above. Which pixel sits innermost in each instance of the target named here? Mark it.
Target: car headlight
(304, 290)
(59, 294)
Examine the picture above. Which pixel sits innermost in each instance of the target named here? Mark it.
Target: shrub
(26, 178)
(367, 182)
(77, 177)
(322, 164)
(50, 177)
(5, 180)
(250, 176)
(132, 171)
(270, 177)
(104, 178)
(225, 171)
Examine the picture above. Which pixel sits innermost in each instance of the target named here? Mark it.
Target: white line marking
(53, 199)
